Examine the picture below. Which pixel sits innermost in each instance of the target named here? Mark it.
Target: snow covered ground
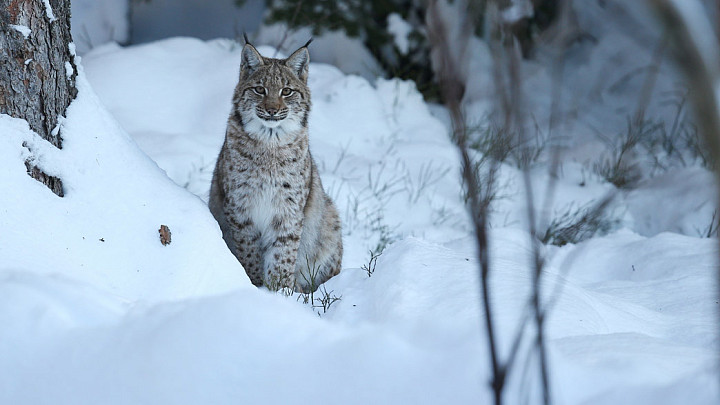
(96, 22)
(96, 310)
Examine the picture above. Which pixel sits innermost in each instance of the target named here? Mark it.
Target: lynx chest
(266, 187)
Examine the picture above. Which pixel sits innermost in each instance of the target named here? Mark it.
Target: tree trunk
(37, 69)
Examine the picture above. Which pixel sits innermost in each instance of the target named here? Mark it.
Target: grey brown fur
(266, 193)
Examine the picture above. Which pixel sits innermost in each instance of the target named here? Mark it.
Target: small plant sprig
(370, 266)
(496, 142)
(312, 273)
(325, 300)
(416, 186)
(579, 224)
(386, 234)
(617, 166)
(280, 284)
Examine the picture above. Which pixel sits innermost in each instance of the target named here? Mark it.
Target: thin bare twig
(515, 115)
(452, 89)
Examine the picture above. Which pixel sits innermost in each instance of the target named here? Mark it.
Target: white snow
(96, 310)
(69, 70)
(105, 230)
(49, 11)
(517, 10)
(24, 30)
(400, 29)
(96, 22)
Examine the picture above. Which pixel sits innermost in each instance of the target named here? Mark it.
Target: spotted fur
(266, 193)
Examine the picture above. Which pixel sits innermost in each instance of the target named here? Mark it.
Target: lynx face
(272, 97)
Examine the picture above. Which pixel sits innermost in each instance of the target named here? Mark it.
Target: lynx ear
(250, 60)
(299, 61)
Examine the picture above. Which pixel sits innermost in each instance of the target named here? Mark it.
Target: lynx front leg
(280, 257)
(247, 250)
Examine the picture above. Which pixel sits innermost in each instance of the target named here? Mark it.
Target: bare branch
(453, 88)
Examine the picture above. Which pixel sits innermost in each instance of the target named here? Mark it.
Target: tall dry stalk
(697, 55)
(447, 55)
(452, 87)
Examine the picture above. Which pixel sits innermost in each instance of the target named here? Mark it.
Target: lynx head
(272, 99)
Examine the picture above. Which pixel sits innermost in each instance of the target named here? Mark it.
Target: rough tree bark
(37, 70)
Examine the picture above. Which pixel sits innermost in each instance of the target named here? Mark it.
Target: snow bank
(105, 230)
(249, 348)
(410, 333)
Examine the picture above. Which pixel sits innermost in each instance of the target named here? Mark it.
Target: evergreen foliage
(368, 21)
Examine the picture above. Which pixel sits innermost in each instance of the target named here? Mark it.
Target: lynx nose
(272, 111)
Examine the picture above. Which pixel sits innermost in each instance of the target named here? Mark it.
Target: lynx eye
(286, 92)
(259, 90)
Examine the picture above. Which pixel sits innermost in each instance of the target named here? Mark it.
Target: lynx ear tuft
(299, 62)
(250, 60)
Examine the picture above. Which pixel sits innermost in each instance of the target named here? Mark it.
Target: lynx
(266, 193)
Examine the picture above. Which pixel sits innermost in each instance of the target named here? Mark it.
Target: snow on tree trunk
(37, 69)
